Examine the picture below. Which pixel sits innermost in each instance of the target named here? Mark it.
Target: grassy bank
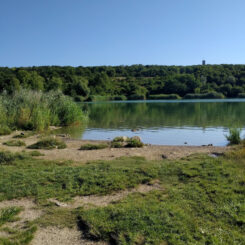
(201, 201)
(31, 110)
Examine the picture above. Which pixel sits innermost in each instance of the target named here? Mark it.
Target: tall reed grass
(32, 110)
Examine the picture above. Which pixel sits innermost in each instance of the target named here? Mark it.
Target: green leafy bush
(48, 144)
(93, 146)
(164, 97)
(133, 142)
(32, 110)
(210, 95)
(234, 136)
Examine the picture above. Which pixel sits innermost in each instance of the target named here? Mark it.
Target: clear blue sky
(121, 32)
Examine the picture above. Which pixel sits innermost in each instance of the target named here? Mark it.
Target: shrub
(4, 130)
(7, 157)
(93, 146)
(164, 97)
(241, 95)
(32, 110)
(118, 144)
(137, 97)
(132, 142)
(121, 139)
(210, 95)
(14, 143)
(234, 137)
(48, 144)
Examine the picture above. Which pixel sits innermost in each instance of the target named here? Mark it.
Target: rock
(164, 156)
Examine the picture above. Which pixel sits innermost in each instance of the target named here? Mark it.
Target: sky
(121, 32)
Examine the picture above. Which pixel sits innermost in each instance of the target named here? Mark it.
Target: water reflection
(196, 123)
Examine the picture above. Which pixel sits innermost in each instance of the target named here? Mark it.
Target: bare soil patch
(56, 236)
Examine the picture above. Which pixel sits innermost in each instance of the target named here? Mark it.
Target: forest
(129, 82)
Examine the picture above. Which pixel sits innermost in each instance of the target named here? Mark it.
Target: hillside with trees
(129, 82)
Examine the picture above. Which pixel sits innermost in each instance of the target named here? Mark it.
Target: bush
(132, 142)
(32, 110)
(234, 137)
(241, 95)
(120, 139)
(4, 130)
(164, 97)
(14, 143)
(7, 157)
(211, 95)
(118, 144)
(87, 147)
(48, 144)
(137, 97)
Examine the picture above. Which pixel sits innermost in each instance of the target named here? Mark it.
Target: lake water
(195, 122)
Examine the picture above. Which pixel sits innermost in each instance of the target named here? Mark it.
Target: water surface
(191, 122)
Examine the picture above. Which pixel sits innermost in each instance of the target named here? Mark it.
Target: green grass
(234, 136)
(41, 179)
(93, 146)
(14, 143)
(48, 144)
(15, 236)
(202, 201)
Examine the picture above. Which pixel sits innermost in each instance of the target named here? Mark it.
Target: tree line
(129, 82)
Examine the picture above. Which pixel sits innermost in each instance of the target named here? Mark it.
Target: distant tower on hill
(203, 62)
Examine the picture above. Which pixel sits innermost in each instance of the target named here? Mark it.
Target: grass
(203, 203)
(33, 110)
(203, 200)
(93, 146)
(234, 136)
(121, 142)
(14, 236)
(14, 143)
(48, 144)
(23, 135)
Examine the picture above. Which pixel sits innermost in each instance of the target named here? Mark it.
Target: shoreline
(72, 152)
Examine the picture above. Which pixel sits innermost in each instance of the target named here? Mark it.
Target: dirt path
(150, 152)
(65, 236)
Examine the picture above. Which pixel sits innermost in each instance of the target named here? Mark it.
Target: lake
(191, 122)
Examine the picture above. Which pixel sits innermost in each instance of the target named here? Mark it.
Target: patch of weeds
(36, 153)
(58, 217)
(48, 144)
(133, 142)
(7, 157)
(93, 146)
(117, 144)
(14, 143)
(5, 130)
(8, 214)
(234, 136)
(123, 141)
(20, 236)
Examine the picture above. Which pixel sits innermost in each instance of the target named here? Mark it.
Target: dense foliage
(34, 110)
(132, 82)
